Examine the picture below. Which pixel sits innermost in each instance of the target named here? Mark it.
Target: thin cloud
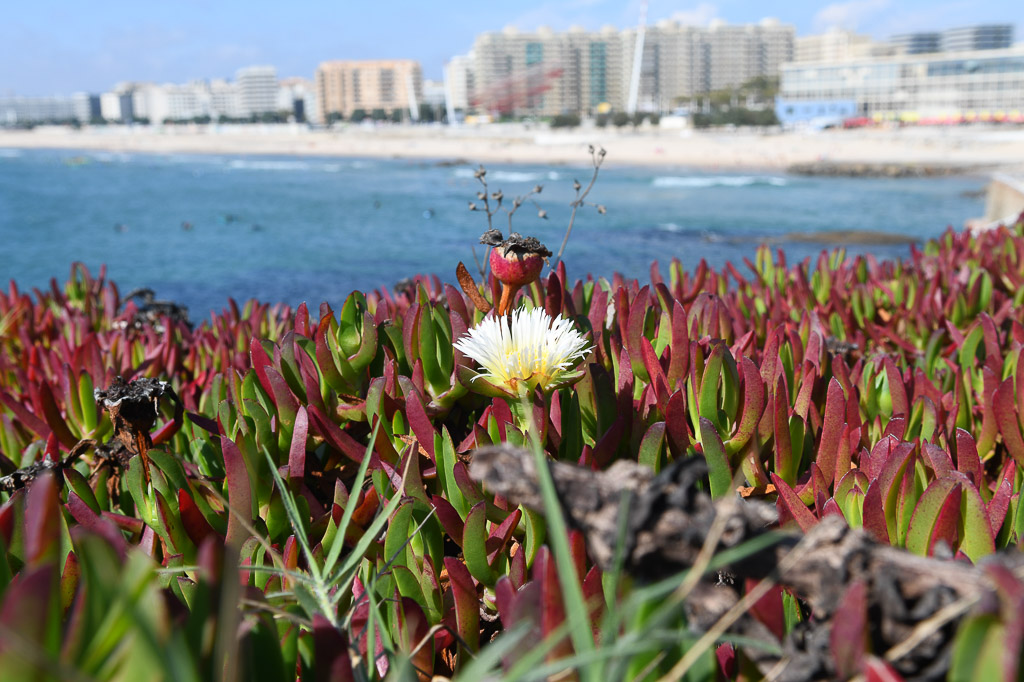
(848, 15)
(701, 15)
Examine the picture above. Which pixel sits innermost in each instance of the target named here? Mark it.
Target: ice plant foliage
(525, 350)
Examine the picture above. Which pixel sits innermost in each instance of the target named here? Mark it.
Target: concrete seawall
(1005, 198)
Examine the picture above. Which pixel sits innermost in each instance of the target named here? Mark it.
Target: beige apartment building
(344, 86)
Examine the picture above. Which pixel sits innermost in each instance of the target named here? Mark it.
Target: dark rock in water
(847, 237)
(850, 169)
(449, 163)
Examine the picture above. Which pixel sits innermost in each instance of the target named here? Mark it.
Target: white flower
(525, 350)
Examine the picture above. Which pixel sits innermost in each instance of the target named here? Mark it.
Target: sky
(64, 46)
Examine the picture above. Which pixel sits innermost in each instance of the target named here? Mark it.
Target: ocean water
(198, 229)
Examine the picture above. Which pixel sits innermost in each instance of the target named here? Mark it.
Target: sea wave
(698, 181)
(10, 153)
(265, 165)
(506, 176)
(703, 233)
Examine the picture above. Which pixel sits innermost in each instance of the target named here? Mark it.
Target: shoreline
(969, 151)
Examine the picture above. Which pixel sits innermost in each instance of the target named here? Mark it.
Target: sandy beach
(984, 149)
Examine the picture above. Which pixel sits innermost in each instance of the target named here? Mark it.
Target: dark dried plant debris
(670, 519)
(151, 312)
(516, 244)
(22, 477)
(133, 408)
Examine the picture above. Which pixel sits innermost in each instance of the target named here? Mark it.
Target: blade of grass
(334, 551)
(572, 592)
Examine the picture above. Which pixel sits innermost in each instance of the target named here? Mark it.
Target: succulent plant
(314, 478)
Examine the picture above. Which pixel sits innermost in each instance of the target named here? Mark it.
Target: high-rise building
(983, 37)
(257, 86)
(343, 87)
(924, 42)
(546, 73)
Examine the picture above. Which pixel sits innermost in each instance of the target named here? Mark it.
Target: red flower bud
(515, 269)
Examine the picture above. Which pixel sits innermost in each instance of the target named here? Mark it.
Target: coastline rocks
(853, 169)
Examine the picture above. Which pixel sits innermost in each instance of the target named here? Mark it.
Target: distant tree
(397, 115)
(602, 120)
(334, 117)
(565, 121)
(357, 115)
(379, 115)
(620, 119)
(737, 117)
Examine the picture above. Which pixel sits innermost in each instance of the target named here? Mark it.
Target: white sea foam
(507, 176)
(670, 227)
(699, 181)
(267, 165)
(112, 157)
(10, 153)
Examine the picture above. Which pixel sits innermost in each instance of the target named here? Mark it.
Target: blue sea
(198, 229)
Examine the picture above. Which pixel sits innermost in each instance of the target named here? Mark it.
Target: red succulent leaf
(791, 507)
(849, 635)
(467, 605)
(239, 492)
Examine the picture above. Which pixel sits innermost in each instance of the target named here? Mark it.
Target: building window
(534, 53)
(387, 85)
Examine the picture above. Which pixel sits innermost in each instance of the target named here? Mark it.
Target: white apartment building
(257, 87)
(835, 45)
(225, 99)
(110, 106)
(14, 110)
(942, 86)
(459, 78)
(547, 73)
(298, 96)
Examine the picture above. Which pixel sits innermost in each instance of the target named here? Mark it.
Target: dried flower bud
(590, 148)
(481, 196)
(537, 189)
(542, 214)
(601, 209)
(480, 173)
(602, 152)
(576, 185)
(472, 206)
(497, 195)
